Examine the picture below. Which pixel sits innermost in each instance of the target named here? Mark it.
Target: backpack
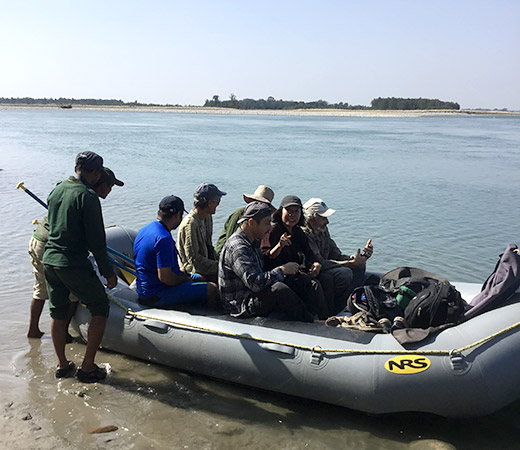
(420, 297)
(500, 285)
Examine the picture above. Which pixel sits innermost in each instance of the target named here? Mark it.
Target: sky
(184, 52)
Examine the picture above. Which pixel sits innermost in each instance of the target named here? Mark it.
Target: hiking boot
(385, 324)
(93, 376)
(399, 323)
(66, 372)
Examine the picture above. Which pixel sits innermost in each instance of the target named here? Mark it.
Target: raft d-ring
(458, 363)
(316, 355)
(129, 317)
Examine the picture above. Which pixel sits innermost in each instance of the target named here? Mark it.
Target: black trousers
(281, 301)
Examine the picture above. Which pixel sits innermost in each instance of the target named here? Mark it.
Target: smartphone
(364, 251)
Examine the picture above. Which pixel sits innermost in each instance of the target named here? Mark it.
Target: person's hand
(357, 260)
(285, 240)
(314, 271)
(368, 250)
(291, 268)
(111, 282)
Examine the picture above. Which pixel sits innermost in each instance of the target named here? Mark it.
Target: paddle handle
(28, 192)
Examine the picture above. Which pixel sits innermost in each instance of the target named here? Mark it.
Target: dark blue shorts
(190, 292)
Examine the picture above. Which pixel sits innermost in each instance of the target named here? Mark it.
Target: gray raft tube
(366, 374)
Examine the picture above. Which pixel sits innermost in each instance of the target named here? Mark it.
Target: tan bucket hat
(262, 194)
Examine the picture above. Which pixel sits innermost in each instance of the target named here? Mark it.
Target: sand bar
(270, 112)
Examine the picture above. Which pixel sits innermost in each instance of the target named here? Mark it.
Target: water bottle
(404, 297)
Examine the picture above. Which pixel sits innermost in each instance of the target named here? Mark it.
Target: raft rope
(317, 349)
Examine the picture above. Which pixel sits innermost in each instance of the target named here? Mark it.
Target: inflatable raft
(464, 371)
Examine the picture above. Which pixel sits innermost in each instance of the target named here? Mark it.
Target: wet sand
(22, 426)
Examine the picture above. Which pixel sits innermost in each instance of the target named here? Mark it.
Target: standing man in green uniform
(75, 227)
(37, 248)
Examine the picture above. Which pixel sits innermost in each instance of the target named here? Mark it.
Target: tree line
(72, 101)
(412, 103)
(272, 103)
(248, 103)
(377, 103)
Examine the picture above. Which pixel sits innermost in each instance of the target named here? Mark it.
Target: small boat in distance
(66, 106)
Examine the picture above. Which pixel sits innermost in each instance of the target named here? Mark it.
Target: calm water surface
(433, 192)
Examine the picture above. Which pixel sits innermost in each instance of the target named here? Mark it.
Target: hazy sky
(183, 52)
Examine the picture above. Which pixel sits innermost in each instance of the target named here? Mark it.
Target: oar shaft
(113, 261)
(41, 202)
(121, 255)
(28, 192)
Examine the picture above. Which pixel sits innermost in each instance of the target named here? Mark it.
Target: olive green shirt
(230, 227)
(75, 226)
(196, 252)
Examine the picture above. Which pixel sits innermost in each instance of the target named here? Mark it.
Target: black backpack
(420, 297)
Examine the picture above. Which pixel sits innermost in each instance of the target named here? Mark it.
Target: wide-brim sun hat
(262, 194)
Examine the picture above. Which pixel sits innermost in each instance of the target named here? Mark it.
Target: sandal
(93, 376)
(66, 372)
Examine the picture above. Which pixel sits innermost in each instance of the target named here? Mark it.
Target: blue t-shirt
(154, 247)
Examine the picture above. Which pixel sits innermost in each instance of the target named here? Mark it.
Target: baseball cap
(89, 161)
(208, 191)
(317, 206)
(172, 204)
(112, 177)
(109, 177)
(255, 210)
(290, 200)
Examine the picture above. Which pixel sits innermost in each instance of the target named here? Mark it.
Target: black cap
(171, 204)
(255, 210)
(89, 161)
(290, 200)
(111, 177)
(208, 191)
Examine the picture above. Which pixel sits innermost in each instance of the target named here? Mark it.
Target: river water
(440, 193)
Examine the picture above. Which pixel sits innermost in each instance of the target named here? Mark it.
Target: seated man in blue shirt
(160, 282)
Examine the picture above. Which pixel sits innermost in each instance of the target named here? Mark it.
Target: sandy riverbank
(292, 112)
(24, 426)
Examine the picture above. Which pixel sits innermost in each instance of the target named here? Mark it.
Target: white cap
(317, 206)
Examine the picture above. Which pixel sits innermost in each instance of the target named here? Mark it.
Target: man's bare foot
(35, 334)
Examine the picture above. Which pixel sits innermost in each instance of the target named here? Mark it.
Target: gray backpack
(500, 285)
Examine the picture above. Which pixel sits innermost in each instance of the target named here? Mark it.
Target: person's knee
(343, 277)
(280, 288)
(99, 308)
(212, 294)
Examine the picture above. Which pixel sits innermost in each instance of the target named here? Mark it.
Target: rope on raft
(318, 349)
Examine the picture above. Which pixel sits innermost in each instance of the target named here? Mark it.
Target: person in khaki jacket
(196, 251)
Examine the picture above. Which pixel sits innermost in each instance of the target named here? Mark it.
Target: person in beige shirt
(194, 240)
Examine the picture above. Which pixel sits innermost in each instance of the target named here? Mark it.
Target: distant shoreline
(271, 112)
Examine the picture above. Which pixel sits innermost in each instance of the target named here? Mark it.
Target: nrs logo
(405, 364)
